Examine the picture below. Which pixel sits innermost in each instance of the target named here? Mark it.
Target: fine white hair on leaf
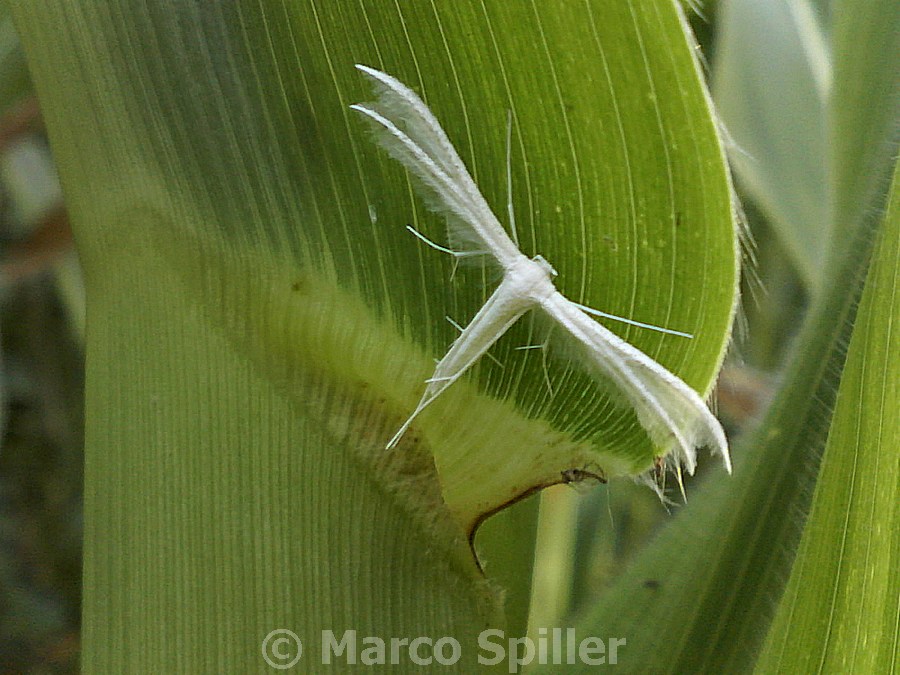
(672, 414)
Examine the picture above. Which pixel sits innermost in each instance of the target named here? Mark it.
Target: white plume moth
(667, 408)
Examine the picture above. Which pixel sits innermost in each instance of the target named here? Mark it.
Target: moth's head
(547, 267)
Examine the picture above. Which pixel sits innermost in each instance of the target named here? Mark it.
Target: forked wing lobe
(411, 134)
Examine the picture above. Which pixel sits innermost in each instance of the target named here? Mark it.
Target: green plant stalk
(218, 506)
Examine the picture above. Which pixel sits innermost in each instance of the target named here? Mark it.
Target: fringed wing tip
(382, 78)
(708, 433)
(726, 457)
(713, 437)
(705, 432)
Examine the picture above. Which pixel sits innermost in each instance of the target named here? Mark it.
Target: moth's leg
(423, 403)
(487, 354)
(632, 322)
(543, 346)
(509, 195)
(436, 386)
(438, 247)
(499, 312)
(443, 249)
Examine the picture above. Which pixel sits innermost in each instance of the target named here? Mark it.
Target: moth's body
(668, 409)
(527, 284)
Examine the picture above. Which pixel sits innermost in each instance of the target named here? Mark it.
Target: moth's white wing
(495, 317)
(403, 107)
(668, 409)
(411, 134)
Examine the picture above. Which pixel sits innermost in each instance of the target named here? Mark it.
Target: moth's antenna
(509, 198)
(597, 312)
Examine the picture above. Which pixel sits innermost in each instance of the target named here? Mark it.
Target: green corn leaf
(840, 611)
